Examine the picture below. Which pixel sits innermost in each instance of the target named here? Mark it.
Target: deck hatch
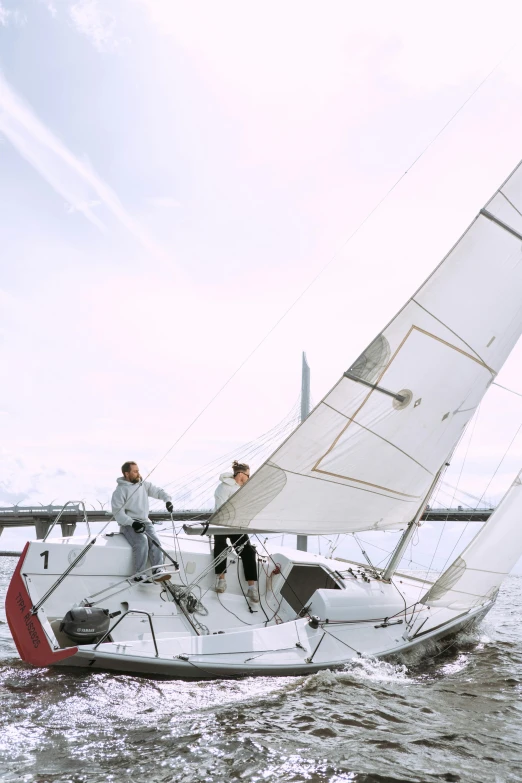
(302, 582)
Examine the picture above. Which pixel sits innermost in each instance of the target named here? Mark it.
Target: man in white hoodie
(130, 508)
(230, 483)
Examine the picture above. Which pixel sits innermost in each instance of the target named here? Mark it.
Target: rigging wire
(502, 460)
(451, 494)
(204, 477)
(463, 492)
(477, 505)
(413, 543)
(427, 573)
(518, 394)
(363, 552)
(266, 438)
(489, 482)
(476, 417)
(492, 477)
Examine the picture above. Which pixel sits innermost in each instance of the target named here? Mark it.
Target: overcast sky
(172, 177)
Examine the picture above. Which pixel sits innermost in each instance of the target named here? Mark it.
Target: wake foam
(359, 670)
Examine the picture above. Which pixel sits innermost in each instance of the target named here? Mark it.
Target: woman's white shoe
(253, 594)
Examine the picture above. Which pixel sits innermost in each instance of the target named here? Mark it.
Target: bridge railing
(44, 518)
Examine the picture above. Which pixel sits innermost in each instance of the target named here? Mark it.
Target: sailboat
(368, 457)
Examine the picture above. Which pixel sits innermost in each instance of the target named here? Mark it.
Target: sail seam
(449, 329)
(368, 484)
(500, 223)
(381, 438)
(455, 348)
(482, 570)
(463, 592)
(510, 203)
(359, 489)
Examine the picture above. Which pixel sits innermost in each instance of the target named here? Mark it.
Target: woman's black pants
(247, 555)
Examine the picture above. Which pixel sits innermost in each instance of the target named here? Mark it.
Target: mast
(302, 541)
(406, 537)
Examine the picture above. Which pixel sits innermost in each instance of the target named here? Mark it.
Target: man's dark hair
(127, 466)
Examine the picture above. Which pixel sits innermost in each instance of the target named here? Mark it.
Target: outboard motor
(86, 624)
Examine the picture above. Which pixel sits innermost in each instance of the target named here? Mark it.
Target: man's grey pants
(142, 547)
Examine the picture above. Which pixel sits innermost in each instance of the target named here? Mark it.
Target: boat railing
(120, 619)
(79, 504)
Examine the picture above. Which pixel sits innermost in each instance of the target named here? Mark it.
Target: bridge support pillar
(68, 529)
(302, 543)
(41, 527)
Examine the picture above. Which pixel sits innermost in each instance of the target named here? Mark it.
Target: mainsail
(476, 575)
(365, 460)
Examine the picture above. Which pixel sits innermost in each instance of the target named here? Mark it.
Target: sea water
(452, 715)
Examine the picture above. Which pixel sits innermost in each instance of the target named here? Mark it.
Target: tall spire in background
(302, 542)
(305, 389)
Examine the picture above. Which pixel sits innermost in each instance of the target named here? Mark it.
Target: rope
(231, 612)
(269, 588)
(269, 556)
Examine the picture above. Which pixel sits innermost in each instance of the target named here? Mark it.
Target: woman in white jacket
(230, 483)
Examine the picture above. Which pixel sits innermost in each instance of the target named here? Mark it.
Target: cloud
(20, 19)
(14, 487)
(13, 498)
(71, 209)
(73, 178)
(164, 201)
(7, 15)
(50, 7)
(24, 483)
(94, 23)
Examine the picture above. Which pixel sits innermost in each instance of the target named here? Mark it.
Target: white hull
(200, 667)
(358, 614)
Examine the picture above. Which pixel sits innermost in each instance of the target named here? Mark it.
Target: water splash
(359, 670)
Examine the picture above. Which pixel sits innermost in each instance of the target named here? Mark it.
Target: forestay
(475, 577)
(364, 460)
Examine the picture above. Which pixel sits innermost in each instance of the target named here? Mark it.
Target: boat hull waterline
(196, 669)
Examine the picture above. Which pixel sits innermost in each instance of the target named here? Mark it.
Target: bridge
(42, 517)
